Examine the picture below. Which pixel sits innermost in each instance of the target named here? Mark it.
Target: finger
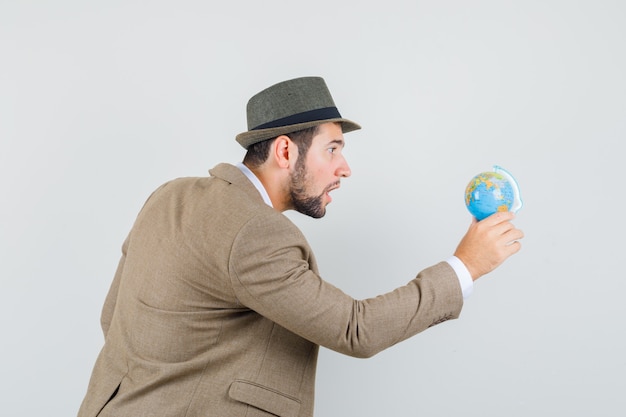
(512, 236)
(503, 227)
(513, 247)
(499, 217)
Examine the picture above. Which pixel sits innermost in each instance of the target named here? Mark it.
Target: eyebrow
(339, 142)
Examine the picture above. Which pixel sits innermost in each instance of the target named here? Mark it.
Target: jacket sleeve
(271, 273)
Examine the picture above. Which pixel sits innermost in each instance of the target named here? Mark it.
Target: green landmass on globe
(490, 192)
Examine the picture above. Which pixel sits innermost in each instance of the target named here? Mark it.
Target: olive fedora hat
(290, 106)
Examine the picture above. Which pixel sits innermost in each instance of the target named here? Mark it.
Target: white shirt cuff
(465, 278)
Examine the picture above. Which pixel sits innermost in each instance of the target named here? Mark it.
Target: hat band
(304, 117)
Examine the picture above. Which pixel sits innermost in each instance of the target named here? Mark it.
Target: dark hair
(257, 153)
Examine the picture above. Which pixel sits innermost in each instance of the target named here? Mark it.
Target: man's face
(319, 171)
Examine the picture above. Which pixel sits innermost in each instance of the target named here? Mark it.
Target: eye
(332, 149)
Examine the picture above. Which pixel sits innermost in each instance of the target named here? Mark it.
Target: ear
(284, 151)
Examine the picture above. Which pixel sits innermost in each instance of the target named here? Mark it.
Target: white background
(102, 101)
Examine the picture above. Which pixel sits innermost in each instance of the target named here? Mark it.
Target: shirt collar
(256, 182)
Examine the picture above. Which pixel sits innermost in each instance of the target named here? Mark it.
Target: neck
(275, 184)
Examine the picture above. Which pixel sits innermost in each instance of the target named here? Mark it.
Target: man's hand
(488, 243)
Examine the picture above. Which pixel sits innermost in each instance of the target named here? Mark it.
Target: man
(217, 307)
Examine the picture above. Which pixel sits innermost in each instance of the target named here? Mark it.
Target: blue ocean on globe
(492, 191)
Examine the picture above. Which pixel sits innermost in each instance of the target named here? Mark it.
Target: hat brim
(251, 137)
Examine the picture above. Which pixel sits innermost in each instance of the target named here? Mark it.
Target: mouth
(330, 188)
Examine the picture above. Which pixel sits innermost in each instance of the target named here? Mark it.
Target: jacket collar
(233, 175)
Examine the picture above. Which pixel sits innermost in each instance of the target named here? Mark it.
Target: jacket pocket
(264, 398)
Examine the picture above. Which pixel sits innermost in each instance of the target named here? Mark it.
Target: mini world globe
(490, 192)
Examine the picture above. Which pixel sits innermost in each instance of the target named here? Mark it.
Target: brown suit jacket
(217, 309)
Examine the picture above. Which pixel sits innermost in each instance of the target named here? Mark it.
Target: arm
(271, 274)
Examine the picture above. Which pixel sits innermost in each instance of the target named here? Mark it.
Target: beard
(302, 202)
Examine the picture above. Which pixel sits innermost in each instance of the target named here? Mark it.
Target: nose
(344, 170)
